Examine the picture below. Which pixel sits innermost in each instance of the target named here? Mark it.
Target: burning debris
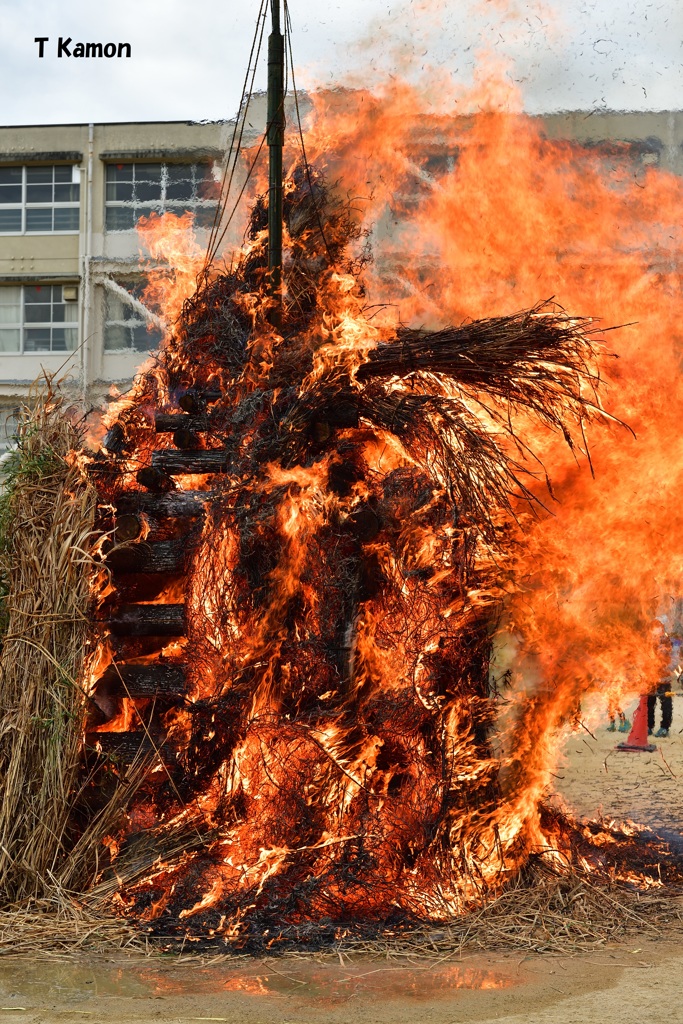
(309, 530)
(314, 527)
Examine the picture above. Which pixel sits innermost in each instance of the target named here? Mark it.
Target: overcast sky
(189, 56)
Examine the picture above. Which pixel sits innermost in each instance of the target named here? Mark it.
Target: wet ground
(307, 983)
(625, 985)
(619, 986)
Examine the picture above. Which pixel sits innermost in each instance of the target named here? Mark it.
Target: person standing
(614, 711)
(667, 710)
(670, 654)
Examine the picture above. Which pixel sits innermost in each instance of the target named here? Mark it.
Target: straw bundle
(46, 523)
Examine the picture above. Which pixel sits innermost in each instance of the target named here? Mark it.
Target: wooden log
(168, 422)
(185, 439)
(194, 400)
(154, 479)
(115, 439)
(174, 463)
(128, 527)
(148, 620)
(163, 556)
(148, 680)
(125, 747)
(173, 505)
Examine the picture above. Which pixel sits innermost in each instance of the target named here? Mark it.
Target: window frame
(24, 324)
(134, 285)
(24, 206)
(200, 171)
(9, 419)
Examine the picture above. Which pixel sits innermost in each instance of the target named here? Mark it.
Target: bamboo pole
(275, 136)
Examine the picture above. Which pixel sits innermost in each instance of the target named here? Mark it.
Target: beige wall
(89, 255)
(660, 134)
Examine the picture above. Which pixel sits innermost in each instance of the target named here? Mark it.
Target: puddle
(314, 984)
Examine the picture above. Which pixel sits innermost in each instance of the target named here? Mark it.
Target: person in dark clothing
(663, 691)
(669, 653)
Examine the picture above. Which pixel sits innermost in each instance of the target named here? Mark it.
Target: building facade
(70, 268)
(70, 196)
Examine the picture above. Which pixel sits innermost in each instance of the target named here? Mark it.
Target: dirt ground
(595, 779)
(627, 984)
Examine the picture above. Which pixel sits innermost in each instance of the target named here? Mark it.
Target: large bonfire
(326, 540)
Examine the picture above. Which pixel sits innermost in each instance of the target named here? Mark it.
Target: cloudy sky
(188, 56)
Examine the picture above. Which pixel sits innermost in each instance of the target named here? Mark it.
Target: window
(136, 190)
(37, 318)
(8, 429)
(125, 326)
(39, 200)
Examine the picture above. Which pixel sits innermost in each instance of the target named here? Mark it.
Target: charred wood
(173, 504)
(165, 556)
(185, 439)
(195, 401)
(167, 423)
(126, 747)
(128, 527)
(149, 620)
(154, 480)
(115, 439)
(150, 680)
(197, 461)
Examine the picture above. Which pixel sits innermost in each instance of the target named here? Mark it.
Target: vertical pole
(276, 138)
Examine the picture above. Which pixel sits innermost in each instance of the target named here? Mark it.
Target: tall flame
(469, 217)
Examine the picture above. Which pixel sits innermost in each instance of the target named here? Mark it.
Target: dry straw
(46, 523)
(47, 513)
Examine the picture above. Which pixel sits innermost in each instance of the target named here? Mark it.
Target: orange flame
(507, 219)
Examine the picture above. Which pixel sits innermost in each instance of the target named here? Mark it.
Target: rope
(307, 166)
(217, 235)
(235, 149)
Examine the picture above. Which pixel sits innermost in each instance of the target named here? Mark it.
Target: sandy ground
(620, 985)
(596, 779)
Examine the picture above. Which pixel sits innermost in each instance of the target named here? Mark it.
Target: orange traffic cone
(637, 738)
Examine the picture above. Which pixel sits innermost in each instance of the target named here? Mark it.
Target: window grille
(135, 190)
(125, 327)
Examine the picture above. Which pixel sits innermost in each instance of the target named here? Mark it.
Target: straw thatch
(46, 526)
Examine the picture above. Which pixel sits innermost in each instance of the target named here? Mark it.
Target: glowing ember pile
(316, 532)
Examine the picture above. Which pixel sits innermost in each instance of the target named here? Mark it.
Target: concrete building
(70, 196)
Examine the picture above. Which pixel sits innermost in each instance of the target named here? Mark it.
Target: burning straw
(335, 748)
(329, 768)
